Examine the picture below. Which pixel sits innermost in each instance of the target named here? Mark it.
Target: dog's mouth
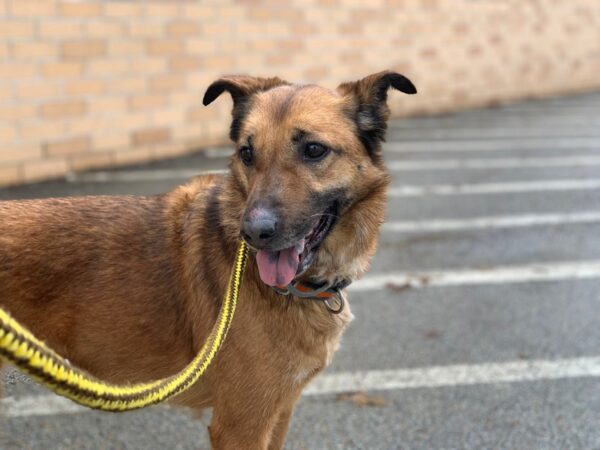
(279, 268)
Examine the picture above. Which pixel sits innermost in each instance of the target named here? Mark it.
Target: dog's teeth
(300, 246)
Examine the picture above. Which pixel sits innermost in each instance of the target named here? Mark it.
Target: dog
(129, 287)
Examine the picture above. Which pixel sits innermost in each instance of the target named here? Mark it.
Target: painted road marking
(491, 222)
(496, 133)
(138, 175)
(371, 380)
(495, 163)
(456, 375)
(400, 166)
(495, 188)
(480, 145)
(550, 271)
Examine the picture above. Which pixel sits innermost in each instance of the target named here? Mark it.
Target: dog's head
(308, 182)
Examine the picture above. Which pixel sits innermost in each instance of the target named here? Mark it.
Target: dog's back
(74, 270)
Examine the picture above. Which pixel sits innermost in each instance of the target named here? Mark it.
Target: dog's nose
(260, 226)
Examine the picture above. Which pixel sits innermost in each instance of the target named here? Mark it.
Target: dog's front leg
(281, 427)
(255, 419)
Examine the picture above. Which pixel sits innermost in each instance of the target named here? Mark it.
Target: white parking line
(551, 271)
(38, 405)
(490, 222)
(137, 175)
(496, 132)
(481, 145)
(371, 380)
(495, 163)
(457, 375)
(495, 188)
(400, 166)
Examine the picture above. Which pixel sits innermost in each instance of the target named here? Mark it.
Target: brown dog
(129, 287)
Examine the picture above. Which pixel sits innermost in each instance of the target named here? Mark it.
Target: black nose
(260, 226)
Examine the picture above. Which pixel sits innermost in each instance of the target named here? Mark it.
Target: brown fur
(129, 287)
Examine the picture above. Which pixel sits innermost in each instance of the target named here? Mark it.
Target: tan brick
(81, 126)
(15, 70)
(162, 10)
(109, 141)
(183, 28)
(123, 9)
(6, 93)
(39, 51)
(107, 67)
(146, 29)
(217, 63)
(165, 47)
(198, 10)
(191, 134)
(169, 150)
(170, 116)
(3, 7)
(36, 90)
(4, 50)
(36, 131)
(59, 29)
(63, 108)
(80, 9)
(10, 175)
(147, 101)
(83, 49)
(85, 87)
(18, 111)
(129, 85)
(68, 146)
(148, 66)
(33, 8)
(127, 156)
(166, 83)
(201, 113)
(108, 105)
(91, 161)
(150, 136)
(104, 29)
(62, 69)
(44, 169)
(185, 63)
(216, 129)
(126, 47)
(13, 28)
(201, 46)
(136, 120)
(8, 133)
(17, 153)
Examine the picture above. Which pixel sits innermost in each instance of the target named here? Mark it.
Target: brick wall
(92, 84)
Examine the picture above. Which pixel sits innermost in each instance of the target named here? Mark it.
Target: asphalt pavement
(478, 326)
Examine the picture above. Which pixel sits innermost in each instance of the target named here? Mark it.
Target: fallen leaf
(362, 399)
(397, 287)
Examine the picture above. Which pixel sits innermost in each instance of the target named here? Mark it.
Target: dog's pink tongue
(279, 268)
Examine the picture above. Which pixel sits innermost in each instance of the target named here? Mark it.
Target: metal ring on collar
(340, 308)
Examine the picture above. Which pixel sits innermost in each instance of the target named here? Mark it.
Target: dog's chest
(321, 350)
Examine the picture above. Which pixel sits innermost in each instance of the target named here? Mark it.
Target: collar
(325, 292)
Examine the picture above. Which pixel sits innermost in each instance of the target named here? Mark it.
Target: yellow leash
(21, 348)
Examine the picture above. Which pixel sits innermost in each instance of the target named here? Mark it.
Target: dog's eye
(246, 155)
(315, 152)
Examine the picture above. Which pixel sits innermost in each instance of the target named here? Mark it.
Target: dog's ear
(241, 89)
(239, 86)
(368, 105)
